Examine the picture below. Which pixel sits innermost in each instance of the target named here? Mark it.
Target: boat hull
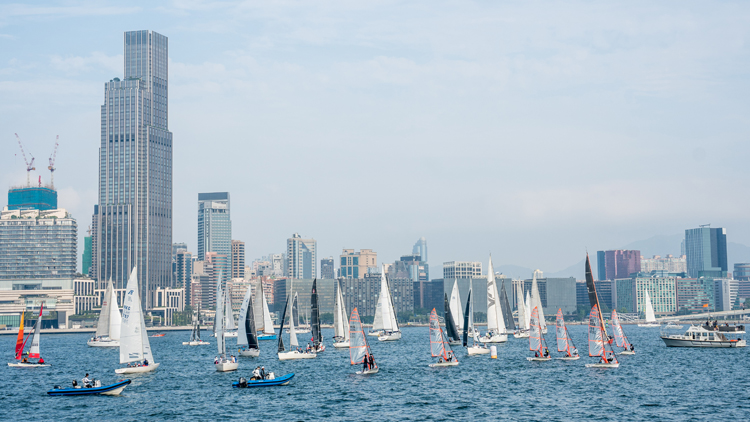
(341, 345)
(230, 334)
(195, 343)
(103, 343)
(477, 351)
(390, 337)
(375, 333)
(27, 365)
(626, 352)
(137, 369)
(539, 359)
(678, 342)
(442, 364)
(521, 335)
(294, 355)
(249, 353)
(283, 380)
(108, 390)
(602, 365)
(369, 371)
(497, 338)
(267, 337)
(650, 325)
(569, 358)
(226, 366)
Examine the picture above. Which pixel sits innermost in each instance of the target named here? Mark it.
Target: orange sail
(19, 339)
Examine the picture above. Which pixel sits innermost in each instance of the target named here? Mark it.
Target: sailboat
(510, 325)
(222, 363)
(527, 305)
(247, 341)
(450, 326)
(536, 301)
(359, 350)
(620, 338)
(495, 321)
(564, 342)
(299, 328)
(650, 317)
(477, 347)
(134, 345)
(439, 347)
(385, 316)
(455, 308)
(597, 345)
(34, 349)
(317, 334)
(341, 325)
(293, 352)
(537, 344)
(523, 326)
(229, 316)
(195, 334)
(108, 329)
(263, 322)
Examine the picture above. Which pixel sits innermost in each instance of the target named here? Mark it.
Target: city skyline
(576, 198)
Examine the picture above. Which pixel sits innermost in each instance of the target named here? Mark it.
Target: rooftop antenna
(51, 166)
(29, 165)
(706, 225)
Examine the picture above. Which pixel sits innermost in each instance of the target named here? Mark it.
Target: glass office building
(706, 251)
(215, 229)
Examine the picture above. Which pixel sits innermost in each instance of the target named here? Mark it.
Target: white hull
(650, 325)
(115, 392)
(137, 369)
(477, 351)
(455, 342)
(626, 352)
(497, 338)
(250, 353)
(341, 345)
(103, 343)
(539, 359)
(569, 358)
(441, 364)
(521, 335)
(602, 365)
(375, 333)
(681, 342)
(230, 334)
(195, 343)
(390, 337)
(226, 366)
(296, 355)
(27, 365)
(368, 372)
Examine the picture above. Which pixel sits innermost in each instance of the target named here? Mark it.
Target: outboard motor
(97, 383)
(243, 382)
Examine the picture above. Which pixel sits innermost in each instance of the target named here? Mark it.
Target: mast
(315, 316)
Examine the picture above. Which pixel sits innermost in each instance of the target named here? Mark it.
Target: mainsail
(528, 309)
(34, 349)
(340, 322)
(295, 310)
(267, 322)
(437, 344)
(591, 287)
(507, 311)
(281, 347)
(537, 302)
(495, 320)
(247, 332)
(19, 340)
(536, 339)
(134, 345)
(385, 316)
(220, 303)
(102, 327)
(358, 347)
(315, 316)
(467, 315)
(115, 319)
(522, 325)
(450, 326)
(620, 338)
(455, 306)
(564, 342)
(229, 312)
(597, 344)
(258, 308)
(650, 316)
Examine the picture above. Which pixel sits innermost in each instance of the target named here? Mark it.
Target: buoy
(493, 352)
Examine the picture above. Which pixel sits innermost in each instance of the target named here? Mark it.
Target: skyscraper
(618, 263)
(133, 220)
(706, 251)
(326, 268)
(356, 264)
(421, 248)
(215, 229)
(238, 259)
(301, 254)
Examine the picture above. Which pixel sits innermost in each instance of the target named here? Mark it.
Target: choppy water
(656, 384)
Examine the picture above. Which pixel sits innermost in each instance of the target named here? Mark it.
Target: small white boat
(134, 345)
(340, 321)
(540, 359)
(293, 353)
(439, 347)
(247, 341)
(477, 350)
(537, 343)
(250, 353)
(27, 364)
(385, 315)
(707, 336)
(444, 363)
(376, 333)
(521, 334)
(108, 328)
(226, 366)
(369, 371)
(222, 362)
(650, 316)
(341, 345)
(494, 338)
(103, 342)
(195, 335)
(564, 342)
(390, 336)
(603, 365)
(195, 343)
(576, 357)
(359, 350)
(230, 334)
(597, 344)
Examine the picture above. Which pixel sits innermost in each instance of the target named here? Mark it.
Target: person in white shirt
(86, 381)
(256, 374)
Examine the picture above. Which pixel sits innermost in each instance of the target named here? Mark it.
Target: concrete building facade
(357, 264)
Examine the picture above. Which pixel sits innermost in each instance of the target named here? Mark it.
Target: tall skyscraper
(301, 254)
(215, 229)
(133, 220)
(238, 259)
(420, 248)
(618, 263)
(326, 268)
(706, 251)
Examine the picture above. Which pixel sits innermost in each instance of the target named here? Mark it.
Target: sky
(532, 131)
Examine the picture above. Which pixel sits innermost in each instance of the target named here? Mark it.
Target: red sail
(19, 339)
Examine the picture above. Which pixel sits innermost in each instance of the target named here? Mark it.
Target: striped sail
(596, 343)
(357, 341)
(562, 333)
(620, 338)
(437, 344)
(535, 332)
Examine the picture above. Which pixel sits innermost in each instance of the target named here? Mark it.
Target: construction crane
(51, 166)
(29, 165)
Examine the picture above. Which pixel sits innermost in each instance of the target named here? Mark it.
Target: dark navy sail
(466, 319)
(510, 325)
(281, 328)
(450, 325)
(252, 337)
(315, 315)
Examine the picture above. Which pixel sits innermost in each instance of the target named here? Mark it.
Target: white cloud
(97, 60)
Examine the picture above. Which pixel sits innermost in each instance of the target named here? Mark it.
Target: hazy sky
(531, 130)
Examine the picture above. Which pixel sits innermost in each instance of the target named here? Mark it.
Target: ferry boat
(707, 336)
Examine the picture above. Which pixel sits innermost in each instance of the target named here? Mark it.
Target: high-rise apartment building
(133, 220)
(238, 259)
(215, 229)
(706, 251)
(669, 263)
(183, 272)
(356, 264)
(301, 257)
(741, 271)
(618, 263)
(86, 258)
(461, 269)
(326, 268)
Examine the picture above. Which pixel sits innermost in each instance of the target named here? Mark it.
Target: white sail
(537, 302)
(219, 321)
(341, 322)
(495, 321)
(242, 335)
(134, 345)
(455, 306)
(650, 317)
(258, 308)
(267, 323)
(228, 312)
(34, 350)
(527, 304)
(385, 316)
(522, 321)
(102, 327)
(115, 319)
(293, 343)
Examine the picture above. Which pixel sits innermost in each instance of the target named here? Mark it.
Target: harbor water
(655, 384)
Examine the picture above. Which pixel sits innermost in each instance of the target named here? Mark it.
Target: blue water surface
(655, 384)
